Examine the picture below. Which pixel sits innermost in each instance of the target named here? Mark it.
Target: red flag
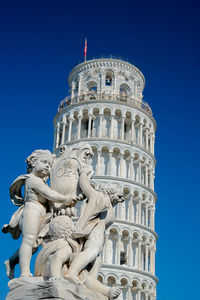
(85, 49)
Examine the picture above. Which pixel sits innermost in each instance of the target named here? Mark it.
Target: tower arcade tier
(106, 109)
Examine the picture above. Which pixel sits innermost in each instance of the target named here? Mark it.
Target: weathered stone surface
(37, 289)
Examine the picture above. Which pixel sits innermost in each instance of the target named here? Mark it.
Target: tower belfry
(106, 110)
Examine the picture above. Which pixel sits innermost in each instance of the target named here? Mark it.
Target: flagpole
(85, 50)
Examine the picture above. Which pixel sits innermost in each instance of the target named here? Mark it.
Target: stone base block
(36, 288)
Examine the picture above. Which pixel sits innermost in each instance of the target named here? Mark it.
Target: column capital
(64, 119)
(71, 118)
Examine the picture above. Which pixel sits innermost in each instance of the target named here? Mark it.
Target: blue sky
(41, 41)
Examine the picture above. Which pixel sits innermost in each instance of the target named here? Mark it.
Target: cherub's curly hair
(34, 156)
(61, 227)
(109, 188)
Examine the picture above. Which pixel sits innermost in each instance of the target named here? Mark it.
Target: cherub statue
(95, 218)
(33, 208)
(52, 260)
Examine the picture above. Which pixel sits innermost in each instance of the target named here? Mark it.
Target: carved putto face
(42, 165)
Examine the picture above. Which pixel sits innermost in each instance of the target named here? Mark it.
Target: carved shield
(64, 175)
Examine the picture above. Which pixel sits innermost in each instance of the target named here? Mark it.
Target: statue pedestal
(36, 288)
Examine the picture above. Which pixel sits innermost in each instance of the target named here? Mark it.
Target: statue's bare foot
(10, 270)
(26, 275)
(72, 278)
(114, 293)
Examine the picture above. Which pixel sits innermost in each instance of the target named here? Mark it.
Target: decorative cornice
(130, 270)
(115, 141)
(69, 107)
(105, 62)
(133, 224)
(125, 180)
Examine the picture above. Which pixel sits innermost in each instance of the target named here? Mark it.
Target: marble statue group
(69, 248)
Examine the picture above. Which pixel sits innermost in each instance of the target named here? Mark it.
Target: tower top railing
(108, 56)
(91, 96)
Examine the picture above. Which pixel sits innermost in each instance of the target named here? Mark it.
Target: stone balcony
(120, 97)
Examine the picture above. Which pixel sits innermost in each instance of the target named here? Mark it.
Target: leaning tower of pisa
(105, 109)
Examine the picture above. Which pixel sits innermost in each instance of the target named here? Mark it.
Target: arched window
(109, 78)
(125, 89)
(92, 86)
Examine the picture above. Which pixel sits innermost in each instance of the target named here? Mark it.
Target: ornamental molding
(124, 145)
(132, 228)
(109, 104)
(130, 184)
(106, 63)
(136, 227)
(120, 270)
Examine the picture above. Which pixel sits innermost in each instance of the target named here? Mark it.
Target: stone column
(139, 254)
(151, 178)
(122, 128)
(89, 125)
(140, 171)
(153, 144)
(79, 86)
(118, 248)
(146, 257)
(136, 89)
(133, 139)
(154, 252)
(106, 248)
(98, 161)
(57, 134)
(129, 294)
(80, 117)
(131, 210)
(70, 128)
(151, 261)
(100, 124)
(139, 207)
(131, 168)
(146, 214)
(146, 175)
(120, 164)
(64, 122)
(147, 138)
(130, 251)
(73, 87)
(111, 125)
(146, 296)
(153, 219)
(140, 134)
(119, 205)
(110, 163)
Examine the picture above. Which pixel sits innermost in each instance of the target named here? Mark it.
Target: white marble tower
(105, 109)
